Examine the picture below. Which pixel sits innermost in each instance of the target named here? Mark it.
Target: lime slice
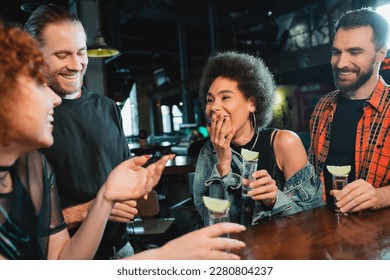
(249, 155)
(339, 170)
(215, 204)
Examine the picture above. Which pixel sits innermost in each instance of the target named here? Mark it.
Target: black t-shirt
(88, 144)
(343, 138)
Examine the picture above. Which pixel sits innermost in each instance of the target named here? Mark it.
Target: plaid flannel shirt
(372, 153)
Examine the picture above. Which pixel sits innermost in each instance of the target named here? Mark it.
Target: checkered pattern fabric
(372, 154)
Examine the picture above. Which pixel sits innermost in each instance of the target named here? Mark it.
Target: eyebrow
(353, 49)
(68, 51)
(221, 92)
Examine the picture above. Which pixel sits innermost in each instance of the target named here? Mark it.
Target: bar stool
(147, 231)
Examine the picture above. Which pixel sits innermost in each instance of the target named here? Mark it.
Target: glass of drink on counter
(218, 210)
(339, 180)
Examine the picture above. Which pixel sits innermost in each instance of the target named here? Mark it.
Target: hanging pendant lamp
(99, 47)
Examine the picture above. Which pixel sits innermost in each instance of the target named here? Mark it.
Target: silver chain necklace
(257, 137)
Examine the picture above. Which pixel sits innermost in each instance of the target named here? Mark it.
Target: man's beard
(361, 78)
(59, 90)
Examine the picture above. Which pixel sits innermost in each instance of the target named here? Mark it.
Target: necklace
(257, 137)
(5, 175)
(5, 183)
(5, 168)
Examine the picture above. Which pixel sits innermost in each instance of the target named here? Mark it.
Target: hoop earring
(253, 121)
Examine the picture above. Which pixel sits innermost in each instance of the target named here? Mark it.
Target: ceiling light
(99, 48)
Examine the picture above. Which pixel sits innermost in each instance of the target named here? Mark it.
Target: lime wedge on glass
(216, 204)
(249, 155)
(339, 170)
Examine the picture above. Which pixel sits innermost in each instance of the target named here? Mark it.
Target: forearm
(74, 215)
(151, 254)
(89, 235)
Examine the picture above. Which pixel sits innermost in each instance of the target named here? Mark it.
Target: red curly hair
(20, 56)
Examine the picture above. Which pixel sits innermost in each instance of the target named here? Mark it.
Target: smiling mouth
(345, 73)
(70, 77)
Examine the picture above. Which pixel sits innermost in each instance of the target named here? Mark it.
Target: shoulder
(33, 164)
(32, 158)
(290, 152)
(327, 98)
(100, 98)
(102, 102)
(38, 157)
(286, 140)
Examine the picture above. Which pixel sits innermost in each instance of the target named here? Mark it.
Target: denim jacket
(302, 191)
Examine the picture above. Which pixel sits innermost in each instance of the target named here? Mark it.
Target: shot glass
(249, 166)
(247, 203)
(218, 217)
(339, 182)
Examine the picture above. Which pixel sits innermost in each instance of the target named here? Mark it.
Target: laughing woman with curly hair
(237, 92)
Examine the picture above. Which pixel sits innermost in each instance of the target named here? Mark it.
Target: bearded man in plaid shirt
(350, 126)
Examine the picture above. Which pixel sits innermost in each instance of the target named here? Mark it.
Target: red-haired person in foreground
(31, 221)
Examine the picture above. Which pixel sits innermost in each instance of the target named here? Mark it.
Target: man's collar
(376, 98)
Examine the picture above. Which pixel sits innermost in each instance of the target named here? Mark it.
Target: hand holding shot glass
(218, 211)
(339, 179)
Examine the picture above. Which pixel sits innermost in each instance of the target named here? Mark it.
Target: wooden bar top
(319, 234)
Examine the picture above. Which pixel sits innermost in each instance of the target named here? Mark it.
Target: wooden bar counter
(319, 234)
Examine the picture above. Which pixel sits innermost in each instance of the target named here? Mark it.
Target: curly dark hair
(20, 56)
(252, 75)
